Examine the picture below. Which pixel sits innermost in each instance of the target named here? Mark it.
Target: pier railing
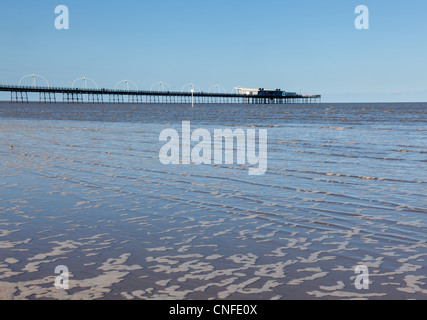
(20, 94)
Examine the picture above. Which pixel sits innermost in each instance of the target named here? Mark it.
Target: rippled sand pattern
(346, 186)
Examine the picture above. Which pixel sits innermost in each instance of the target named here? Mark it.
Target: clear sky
(308, 46)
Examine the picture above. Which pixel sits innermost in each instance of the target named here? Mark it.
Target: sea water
(82, 186)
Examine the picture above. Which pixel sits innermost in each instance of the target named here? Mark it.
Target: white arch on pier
(126, 86)
(85, 80)
(236, 90)
(217, 88)
(34, 76)
(193, 86)
(162, 85)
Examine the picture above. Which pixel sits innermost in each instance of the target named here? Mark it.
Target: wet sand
(83, 187)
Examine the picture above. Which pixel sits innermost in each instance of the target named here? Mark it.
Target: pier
(20, 94)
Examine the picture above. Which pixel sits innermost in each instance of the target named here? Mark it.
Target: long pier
(20, 94)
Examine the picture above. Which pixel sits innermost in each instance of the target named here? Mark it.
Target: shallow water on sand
(83, 187)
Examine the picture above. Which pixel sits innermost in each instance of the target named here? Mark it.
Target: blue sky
(310, 46)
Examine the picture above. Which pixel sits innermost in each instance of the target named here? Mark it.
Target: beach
(82, 186)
